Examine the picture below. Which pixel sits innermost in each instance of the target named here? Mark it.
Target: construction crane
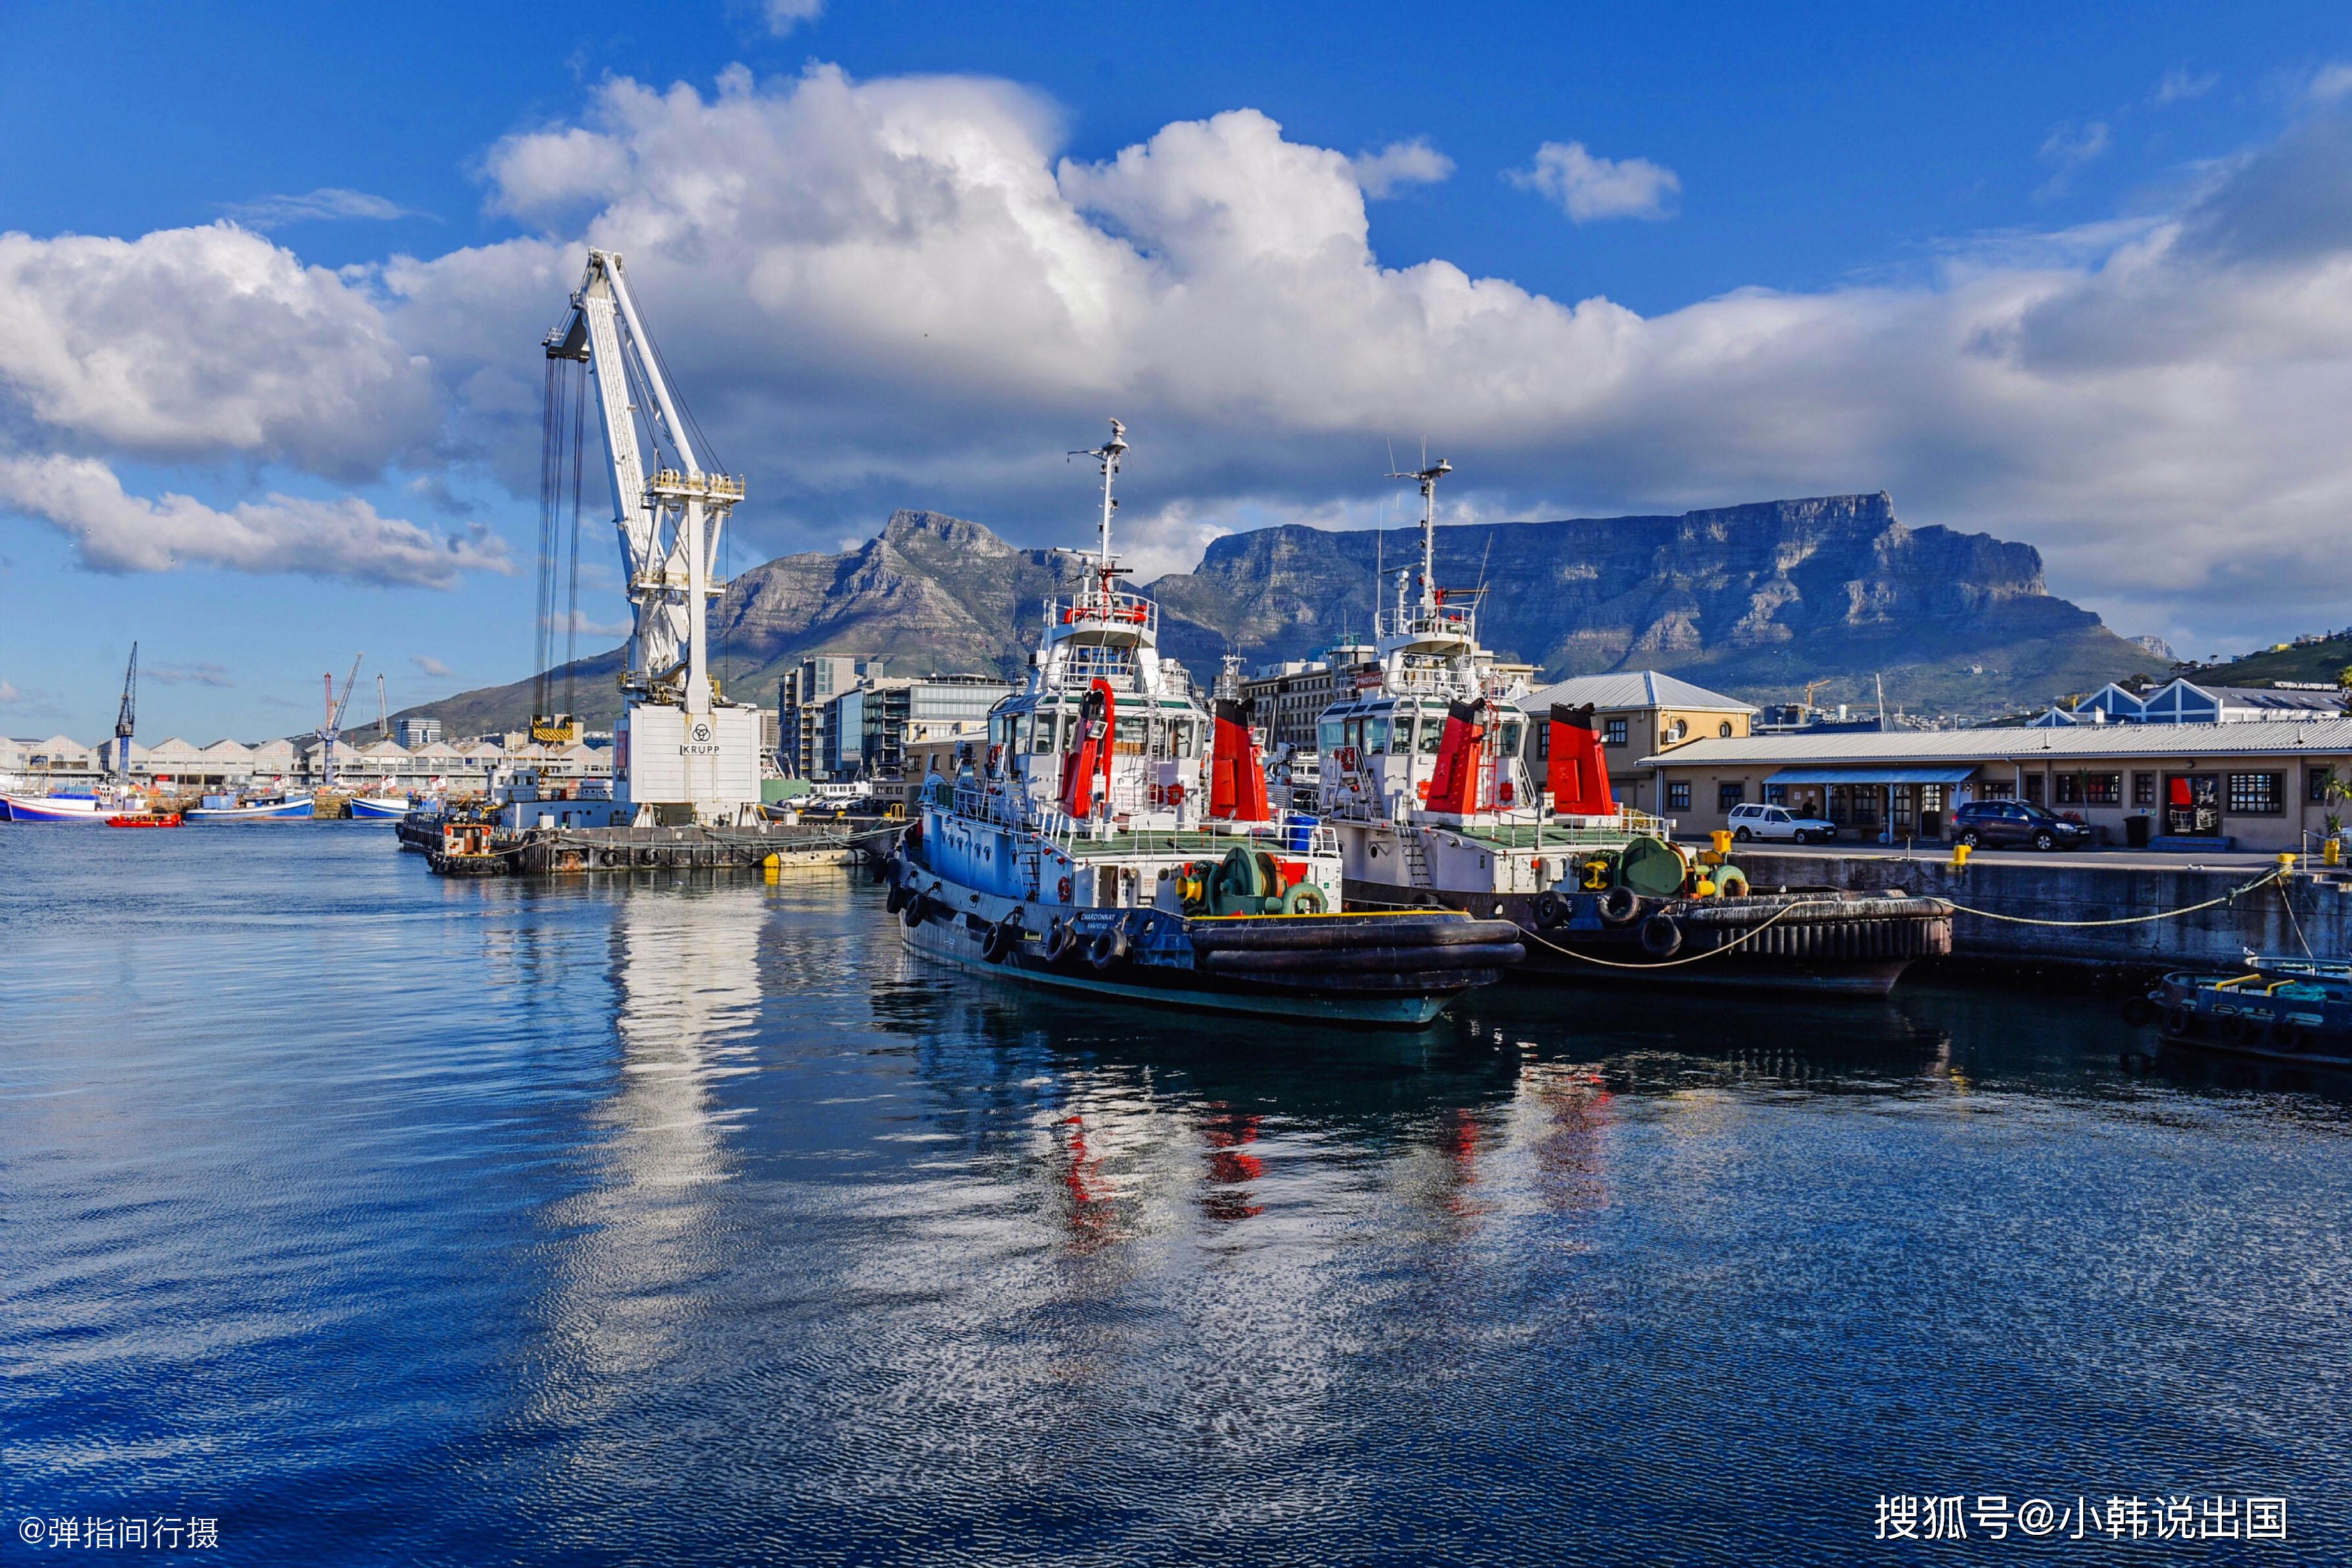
(125, 716)
(332, 729)
(681, 752)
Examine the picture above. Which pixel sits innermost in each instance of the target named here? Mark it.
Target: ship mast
(1107, 455)
(1427, 478)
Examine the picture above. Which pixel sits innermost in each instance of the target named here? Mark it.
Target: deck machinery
(683, 754)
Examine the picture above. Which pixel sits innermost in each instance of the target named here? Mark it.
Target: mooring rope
(2274, 874)
(1751, 932)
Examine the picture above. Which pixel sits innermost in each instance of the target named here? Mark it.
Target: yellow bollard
(1960, 856)
(2333, 854)
(1722, 837)
(2286, 862)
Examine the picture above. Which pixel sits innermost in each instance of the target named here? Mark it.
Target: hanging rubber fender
(2139, 1012)
(1304, 898)
(1730, 883)
(1062, 890)
(2178, 1021)
(1549, 909)
(1661, 937)
(1002, 937)
(609, 857)
(918, 908)
(2246, 1030)
(2290, 1035)
(649, 856)
(1617, 905)
(1107, 949)
(896, 900)
(1061, 940)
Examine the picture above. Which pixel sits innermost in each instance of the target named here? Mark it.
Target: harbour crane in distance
(681, 752)
(334, 728)
(125, 716)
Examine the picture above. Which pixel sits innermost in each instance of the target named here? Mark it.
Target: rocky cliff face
(1753, 600)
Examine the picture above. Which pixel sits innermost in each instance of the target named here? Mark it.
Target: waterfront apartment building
(1287, 698)
(373, 767)
(868, 731)
(2261, 785)
(1641, 714)
(801, 701)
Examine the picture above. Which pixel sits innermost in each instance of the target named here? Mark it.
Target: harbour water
(382, 1218)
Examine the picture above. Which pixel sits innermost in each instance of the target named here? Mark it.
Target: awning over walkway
(1951, 774)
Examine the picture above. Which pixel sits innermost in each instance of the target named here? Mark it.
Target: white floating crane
(682, 751)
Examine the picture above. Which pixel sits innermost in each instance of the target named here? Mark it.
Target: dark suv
(2013, 822)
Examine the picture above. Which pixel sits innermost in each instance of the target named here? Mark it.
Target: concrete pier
(2309, 910)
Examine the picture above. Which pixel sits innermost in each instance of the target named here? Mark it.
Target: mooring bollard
(1960, 856)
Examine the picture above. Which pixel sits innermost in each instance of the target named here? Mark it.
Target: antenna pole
(1427, 477)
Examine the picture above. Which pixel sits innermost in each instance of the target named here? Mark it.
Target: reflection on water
(670, 1223)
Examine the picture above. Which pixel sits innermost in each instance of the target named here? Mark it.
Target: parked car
(1778, 822)
(2016, 822)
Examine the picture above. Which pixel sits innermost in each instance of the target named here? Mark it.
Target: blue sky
(1703, 258)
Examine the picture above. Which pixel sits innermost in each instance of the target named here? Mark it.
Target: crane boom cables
(563, 451)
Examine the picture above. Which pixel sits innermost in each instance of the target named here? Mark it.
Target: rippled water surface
(388, 1219)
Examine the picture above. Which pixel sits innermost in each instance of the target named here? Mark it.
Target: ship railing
(1127, 612)
(1081, 664)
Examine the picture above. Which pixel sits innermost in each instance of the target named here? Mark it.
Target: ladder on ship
(1416, 862)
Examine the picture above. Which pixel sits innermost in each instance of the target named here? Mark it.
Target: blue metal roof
(1944, 775)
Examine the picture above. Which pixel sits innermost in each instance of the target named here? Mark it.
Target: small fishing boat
(1114, 838)
(380, 807)
(145, 819)
(53, 808)
(255, 808)
(2281, 1009)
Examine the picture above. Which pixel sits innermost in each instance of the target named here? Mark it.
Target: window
(2319, 779)
(2089, 789)
(1509, 742)
(2034, 788)
(1676, 730)
(2257, 795)
(1614, 732)
(1899, 806)
(1041, 733)
(1997, 789)
(1728, 795)
(1723, 729)
(1327, 734)
(1432, 733)
(1376, 733)
(1678, 796)
(2143, 789)
(1776, 794)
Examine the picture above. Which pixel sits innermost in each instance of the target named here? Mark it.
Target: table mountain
(1753, 600)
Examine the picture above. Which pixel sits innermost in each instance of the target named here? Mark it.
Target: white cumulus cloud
(1401, 164)
(1588, 188)
(783, 16)
(113, 530)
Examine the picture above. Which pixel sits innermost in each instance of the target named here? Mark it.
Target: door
(2193, 804)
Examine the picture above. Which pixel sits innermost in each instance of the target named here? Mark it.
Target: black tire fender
(1549, 909)
(1002, 937)
(1617, 905)
(1662, 935)
(915, 910)
(1061, 940)
(2178, 1022)
(2139, 1012)
(1107, 949)
(897, 898)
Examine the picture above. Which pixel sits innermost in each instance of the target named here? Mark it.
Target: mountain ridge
(1756, 599)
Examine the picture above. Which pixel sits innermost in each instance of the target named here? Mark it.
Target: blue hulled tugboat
(1114, 838)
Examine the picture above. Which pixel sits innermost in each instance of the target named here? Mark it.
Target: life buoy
(1062, 890)
(1107, 949)
(1617, 905)
(1176, 793)
(1304, 898)
(1549, 909)
(1662, 935)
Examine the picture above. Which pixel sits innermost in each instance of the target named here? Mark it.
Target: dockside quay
(2259, 785)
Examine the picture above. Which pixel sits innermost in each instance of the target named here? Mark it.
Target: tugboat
(2281, 1009)
(1115, 838)
(1424, 785)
